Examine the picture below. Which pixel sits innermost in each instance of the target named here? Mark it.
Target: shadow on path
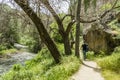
(89, 70)
(94, 68)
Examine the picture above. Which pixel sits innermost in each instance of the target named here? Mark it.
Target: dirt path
(88, 71)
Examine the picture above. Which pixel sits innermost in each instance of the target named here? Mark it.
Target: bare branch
(114, 4)
(66, 16)
(85, 21)
(69, 27)
(113, 7)
(102, 16)
(56, 17)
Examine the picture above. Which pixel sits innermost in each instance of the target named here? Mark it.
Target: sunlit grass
(110, 75)
(110, 66)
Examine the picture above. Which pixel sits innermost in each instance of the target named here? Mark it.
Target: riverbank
(8, 53)
(16, 58)
(43, 67)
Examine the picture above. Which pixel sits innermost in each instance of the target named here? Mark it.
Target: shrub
(110, 66)
(111, 62)
(9, 51)
(2, 47)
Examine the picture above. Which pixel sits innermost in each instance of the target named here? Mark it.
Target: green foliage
(106, 6)
(68, 66)
(117, 49)
(116, 27)
(8, 51)
(111, 62)
(2, 47)
(54, 33)
(86, 4)
(17, 67)
(90, 55)
(61, 48)
(43, 67)
(110, 65)
(33, 45)
(110, 75)
(8, 32)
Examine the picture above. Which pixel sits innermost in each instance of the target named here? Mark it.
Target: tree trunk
(67, 45)
(41, 29)
(72, 40)
(77, 41)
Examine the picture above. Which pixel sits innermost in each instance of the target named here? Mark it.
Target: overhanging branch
(67, 16)
(69, 27)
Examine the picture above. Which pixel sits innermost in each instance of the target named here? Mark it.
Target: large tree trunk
(41, 29)
(77, 41)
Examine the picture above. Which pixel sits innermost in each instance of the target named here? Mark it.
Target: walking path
(88, 71)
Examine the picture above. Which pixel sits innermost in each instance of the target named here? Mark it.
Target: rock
(100, 39)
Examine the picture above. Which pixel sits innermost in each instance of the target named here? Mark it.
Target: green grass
(110, 66)
(9, 51)
(91, 56)
(110, 75)
(43, 67)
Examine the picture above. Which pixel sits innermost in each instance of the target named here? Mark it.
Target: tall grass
(111, 62)
(110, 65)
(43, 67)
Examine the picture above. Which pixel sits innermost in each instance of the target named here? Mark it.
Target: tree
(64, 33)
(77, 40)
(24, 4)
(8, 29)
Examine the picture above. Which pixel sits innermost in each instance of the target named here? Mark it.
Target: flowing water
(19, 58)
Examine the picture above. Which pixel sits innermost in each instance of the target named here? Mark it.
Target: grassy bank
(110, 66)
(4, 53)
(43, 67)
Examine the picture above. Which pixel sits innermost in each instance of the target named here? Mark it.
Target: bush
(2, 47)
(110, 65)
(117, 49)
(9, 51)
(111, 62)
(68, 66)
(34, 45)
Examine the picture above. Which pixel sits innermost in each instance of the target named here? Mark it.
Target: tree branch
(113, 7)
(69, 27)
(66, 16)
(85, 21)
(102, 16)
(56, 17)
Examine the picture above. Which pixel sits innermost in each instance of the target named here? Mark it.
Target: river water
(19, 58)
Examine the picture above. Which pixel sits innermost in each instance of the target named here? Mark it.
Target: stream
(19, 58)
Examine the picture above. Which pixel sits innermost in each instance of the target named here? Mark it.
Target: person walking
(84, 49)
